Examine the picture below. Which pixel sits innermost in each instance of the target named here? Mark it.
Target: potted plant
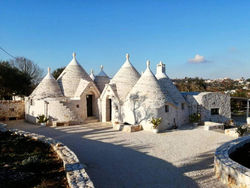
(195, 118)
(156, 122)
(42, 120)
(242, 130)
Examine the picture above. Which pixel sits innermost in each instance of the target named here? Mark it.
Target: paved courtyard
(179, 158)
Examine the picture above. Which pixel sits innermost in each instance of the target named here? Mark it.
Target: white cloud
(198, 59)
(233, 49)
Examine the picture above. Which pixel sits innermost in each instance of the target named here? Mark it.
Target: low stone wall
(11, 109)
(232, 132)
(75, 172)
(228, 171)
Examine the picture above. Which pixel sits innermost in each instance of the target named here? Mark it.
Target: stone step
(91, 120)
(91, 117)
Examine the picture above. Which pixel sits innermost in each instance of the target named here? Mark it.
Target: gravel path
(179, 158)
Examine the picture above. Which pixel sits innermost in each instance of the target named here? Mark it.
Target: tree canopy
(13, 81)
(56, 73)
(28, 67)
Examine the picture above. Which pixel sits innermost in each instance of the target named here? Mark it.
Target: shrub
(30, 162)
(42, 119)
(241, 130)
(195, 117)
(156, 122)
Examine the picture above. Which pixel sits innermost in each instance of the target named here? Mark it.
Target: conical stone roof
(70, 77)
(125, 79)
(148, 88)
(47, 88)
(101, 79)
(167, 86)
(102, 73)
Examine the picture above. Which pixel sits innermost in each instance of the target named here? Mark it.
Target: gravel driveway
(179, 158)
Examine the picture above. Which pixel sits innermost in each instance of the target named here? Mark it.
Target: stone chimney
(160, 69)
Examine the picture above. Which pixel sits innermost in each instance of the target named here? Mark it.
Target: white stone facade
(213, 106)
(141, 98)
(71, 99)
(126, 98)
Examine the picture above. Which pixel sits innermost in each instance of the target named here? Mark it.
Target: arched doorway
(89, 99)
(108, 109)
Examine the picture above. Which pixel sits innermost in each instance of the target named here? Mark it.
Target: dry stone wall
(228, 171)
(205, 101)
(11, 109)
(75, 171)
(216, 100)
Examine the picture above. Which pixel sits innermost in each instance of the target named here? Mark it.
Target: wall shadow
(114, 165)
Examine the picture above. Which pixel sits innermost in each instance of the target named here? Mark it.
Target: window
(166, 108)
(12, 109)
(214, 111)
(182, 106)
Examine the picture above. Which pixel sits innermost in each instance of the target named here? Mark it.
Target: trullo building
(77, 97)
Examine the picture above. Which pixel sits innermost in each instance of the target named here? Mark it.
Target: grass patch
(28, 163)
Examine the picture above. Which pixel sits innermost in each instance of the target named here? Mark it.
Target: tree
(56, 73)
(28, 67)
(191, 84)
(13, 81)
(240, 93)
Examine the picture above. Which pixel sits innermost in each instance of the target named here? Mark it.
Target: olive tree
(28, 67)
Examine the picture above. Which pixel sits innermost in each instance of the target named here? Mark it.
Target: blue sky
(209, 39)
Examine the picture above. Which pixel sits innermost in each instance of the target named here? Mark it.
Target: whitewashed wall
(108, 93)
(53, 109)
(205, 101)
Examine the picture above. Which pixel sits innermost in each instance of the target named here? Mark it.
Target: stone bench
(127, 128)
(132, 128)
(208, 125)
